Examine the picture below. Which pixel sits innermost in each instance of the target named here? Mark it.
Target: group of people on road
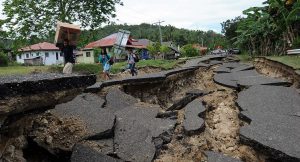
(104, 58)
(107, 61)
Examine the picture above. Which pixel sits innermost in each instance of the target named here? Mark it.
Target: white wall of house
(49, 57)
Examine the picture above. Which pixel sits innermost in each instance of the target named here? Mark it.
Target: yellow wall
(86, 60)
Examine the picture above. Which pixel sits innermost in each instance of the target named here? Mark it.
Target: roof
(143, 42)
(45, 46)
(104, 42)
(110, 40)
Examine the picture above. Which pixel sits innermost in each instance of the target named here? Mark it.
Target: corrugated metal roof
(39, 47)
(104, 42)
(111, 39)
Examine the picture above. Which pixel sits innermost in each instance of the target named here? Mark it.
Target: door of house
(56, 55)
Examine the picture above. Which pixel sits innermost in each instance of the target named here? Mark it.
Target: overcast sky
(189, 14)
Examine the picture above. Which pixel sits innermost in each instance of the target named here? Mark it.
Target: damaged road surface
(212, 109)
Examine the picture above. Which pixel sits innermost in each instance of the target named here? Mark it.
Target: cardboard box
(67, 31)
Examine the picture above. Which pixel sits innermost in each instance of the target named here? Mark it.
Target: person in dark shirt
(69, 57)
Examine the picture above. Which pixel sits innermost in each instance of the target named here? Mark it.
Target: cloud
(191, 14)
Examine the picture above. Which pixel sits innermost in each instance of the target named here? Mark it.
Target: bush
(296, 43)
(189, 51)
(88, 68)
(3, 60)
(79, 68)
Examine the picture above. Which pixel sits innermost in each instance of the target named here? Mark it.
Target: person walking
(69, 58)
(106, 61)
(132, 59)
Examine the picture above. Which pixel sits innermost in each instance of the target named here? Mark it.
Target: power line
(160, 34)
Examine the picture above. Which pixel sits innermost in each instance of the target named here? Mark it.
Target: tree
(154, 49)
(164, 49)
(189, 51)
(229, 28)
(27, 18)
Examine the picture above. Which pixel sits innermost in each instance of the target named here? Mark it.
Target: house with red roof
(88, 56)
(40, 54)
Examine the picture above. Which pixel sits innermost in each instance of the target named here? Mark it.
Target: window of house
(46, 54)
(31, 54)
(56, 54)
(38, 54)
(88, 54)
(27, 55)
(20, 56)
(61, 54)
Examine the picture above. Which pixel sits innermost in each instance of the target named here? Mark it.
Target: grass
(88, 68)
(293, 61)
(163, 64)
(12, 70)
(244, 57)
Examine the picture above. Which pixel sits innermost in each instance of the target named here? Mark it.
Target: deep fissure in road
(54, 138)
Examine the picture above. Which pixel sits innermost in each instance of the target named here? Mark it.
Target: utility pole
(160, 34)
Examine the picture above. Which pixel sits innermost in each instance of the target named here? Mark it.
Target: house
(40, 54)
(173, 54)
(108, 42)
(202, 50)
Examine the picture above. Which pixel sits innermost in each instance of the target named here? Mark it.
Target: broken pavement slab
(136, 127)
(267, 99)
(82, 118)
(105, 146)
(218, 157)
(193, 123)
(83, 153)
(87, 107)
(278, 136)
(222, 69)
(246, 78)
(133, 141)
(22, 85)
(243, 67)
(117, 100)
(274, 124)
(225, 79)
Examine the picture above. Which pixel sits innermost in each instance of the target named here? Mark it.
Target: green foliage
(28, 18)
(164, 49)
(78, 68)
(3, 60)
(244, 57)
(147, 31)
(154, 48)
(266, 30)
(17, 69)
(229, 28)
(296, 43)
(189, 51)
(97, 51)
(117, 67)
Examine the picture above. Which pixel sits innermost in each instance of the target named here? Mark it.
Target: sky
(189, 14)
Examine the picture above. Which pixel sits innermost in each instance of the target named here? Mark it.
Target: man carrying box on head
(67, 49)
(65, 38)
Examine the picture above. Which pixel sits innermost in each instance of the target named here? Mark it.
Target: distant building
(88, 56)
(202, 50)
(40, 54)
